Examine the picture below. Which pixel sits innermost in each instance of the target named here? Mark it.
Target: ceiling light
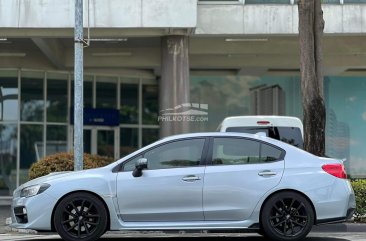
(246, 39)
(4, 41)
(112, 54)
(107, 39)
(13, 54)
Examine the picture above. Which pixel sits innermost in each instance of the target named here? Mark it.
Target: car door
(170, 189)
(241, 172)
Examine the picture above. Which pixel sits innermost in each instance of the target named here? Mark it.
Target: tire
(80, 216)
(287, 216)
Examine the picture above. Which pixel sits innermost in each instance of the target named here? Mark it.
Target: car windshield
(290, 135)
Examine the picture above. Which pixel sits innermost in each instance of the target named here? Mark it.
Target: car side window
(237, 151)
(270, 153)
(183, 153)
(129, 166)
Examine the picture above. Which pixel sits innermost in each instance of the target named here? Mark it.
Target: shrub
(65, 162)
(359, 186)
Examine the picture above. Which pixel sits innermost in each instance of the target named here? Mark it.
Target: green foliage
(359, 186)
(65, 162)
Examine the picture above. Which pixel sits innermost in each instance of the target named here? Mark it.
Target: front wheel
(287, 216)
(80, 216)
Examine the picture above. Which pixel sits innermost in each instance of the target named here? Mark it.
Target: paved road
(191, 237)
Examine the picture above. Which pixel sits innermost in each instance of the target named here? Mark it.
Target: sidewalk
(4, 213)
(340, 228)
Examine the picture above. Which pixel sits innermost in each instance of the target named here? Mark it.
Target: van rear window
(290, 135)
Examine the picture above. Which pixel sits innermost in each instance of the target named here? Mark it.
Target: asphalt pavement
(326, 232)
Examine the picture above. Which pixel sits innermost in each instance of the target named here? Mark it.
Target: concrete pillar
(174, 82)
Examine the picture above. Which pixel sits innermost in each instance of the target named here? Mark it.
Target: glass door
(105, 143)
(101, 141)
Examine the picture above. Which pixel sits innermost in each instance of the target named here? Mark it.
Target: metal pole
(78, 87)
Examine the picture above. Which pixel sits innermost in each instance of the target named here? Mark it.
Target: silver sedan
(201, 181)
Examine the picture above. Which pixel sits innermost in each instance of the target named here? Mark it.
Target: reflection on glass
(354, 1)
(267, 1)
(329, 1)
(106, 94)
(149, 136)
(88, 92)
(150, 105)
(32, 103)
(128, 140)
(87, 141)
(345, 127)
(31, 148)
(56, 98)
(56, 139)
(224, 95)
(8, 158)
(105, 143)
(234, 96)
(8, 95)
(183, 153)
(129, 103)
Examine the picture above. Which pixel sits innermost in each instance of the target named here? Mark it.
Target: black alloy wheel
(287, 216)
(80, 216)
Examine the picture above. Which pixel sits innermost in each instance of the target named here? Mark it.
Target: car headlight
(34, 190)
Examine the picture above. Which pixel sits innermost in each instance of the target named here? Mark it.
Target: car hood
(50, 177)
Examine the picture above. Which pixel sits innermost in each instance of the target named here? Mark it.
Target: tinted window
(236, 151)
(269, 153)
(185, 153)
(291, 135)
(230, 151)
(130, 165)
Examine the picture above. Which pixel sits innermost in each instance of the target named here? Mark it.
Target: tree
(311, 26)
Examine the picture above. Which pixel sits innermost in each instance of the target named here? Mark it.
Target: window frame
(210, 151)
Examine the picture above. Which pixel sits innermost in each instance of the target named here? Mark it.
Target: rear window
(290, 135)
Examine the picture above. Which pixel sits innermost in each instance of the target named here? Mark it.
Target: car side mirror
(139, 166)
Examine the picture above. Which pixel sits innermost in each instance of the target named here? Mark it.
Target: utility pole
(78, 87)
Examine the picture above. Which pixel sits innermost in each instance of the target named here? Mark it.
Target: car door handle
(267, 173)
(191, 178)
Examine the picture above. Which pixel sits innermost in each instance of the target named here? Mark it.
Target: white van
(284, 128)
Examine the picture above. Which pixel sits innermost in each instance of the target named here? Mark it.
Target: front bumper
(32, 212)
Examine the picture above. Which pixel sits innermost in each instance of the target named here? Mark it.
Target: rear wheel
(287, 216)
(80, 216)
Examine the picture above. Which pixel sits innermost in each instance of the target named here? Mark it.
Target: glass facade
(35, 111)
(282, 1)
(35, 118)
(250, 95)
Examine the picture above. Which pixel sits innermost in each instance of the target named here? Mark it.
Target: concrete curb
(340, 228)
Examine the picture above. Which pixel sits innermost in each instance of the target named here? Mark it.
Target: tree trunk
(311, 26)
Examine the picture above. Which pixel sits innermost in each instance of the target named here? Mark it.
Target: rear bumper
(349, 215)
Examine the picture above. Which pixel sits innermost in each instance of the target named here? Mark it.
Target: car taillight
(336, 170)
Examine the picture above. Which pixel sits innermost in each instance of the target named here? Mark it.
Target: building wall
(208, 17)
(102, 14)
(252, 19)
